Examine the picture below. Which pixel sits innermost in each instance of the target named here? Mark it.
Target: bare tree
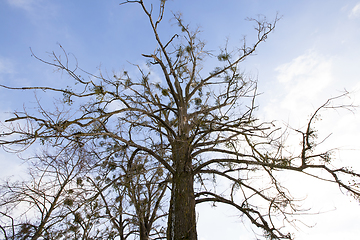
(34, 206)
(75, 193)
(195, 126)
(132, 193)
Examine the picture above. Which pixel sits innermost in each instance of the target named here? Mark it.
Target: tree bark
(144, 231)
(182, 215)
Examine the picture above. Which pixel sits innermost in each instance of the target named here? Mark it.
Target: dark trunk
(144, 231)
(182, 216)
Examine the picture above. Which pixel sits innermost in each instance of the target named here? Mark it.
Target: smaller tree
(146, 188)
(76, 194)
(36, 206)
(132, 193)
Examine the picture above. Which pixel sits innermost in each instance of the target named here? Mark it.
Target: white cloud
(301, 83)
(304, 66)
(27, 5)
(304, 79)
(37, 10)
(308, 69)
(355, 12)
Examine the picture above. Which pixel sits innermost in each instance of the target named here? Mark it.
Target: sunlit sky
(312, 55)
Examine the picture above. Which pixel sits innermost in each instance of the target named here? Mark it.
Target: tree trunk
(182, 215)
(144, 231)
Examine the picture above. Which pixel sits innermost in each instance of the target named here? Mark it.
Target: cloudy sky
(313, 54)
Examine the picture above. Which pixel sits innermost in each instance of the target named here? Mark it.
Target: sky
(312, 55)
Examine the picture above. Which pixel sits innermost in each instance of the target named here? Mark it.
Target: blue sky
(312, 55)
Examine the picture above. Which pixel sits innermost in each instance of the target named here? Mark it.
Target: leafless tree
(32, 206)
(74, 193)
(193, 125)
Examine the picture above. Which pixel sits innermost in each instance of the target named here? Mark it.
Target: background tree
(195, 126)
(35, 205)
(73, 193)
